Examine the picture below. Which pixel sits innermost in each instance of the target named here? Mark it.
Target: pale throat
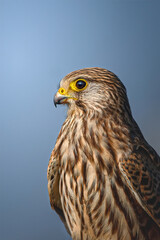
(91, 130)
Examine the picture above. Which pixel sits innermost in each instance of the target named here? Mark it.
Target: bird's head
(94, 89)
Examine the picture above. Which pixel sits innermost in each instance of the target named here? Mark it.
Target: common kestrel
(103, 177)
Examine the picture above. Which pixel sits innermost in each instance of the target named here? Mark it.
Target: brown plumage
(103, 177)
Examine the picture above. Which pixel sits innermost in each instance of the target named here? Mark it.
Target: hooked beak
(59, 99)
(62, 96)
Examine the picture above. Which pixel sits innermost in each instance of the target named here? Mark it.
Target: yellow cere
(62, 91)
(75, 88)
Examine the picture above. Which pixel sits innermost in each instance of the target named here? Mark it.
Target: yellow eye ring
(79, 85)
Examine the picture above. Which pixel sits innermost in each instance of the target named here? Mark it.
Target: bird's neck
(97, 128)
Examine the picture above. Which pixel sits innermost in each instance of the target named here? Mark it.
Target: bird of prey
(103, 176)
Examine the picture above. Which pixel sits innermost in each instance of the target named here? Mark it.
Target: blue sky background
(40, 42)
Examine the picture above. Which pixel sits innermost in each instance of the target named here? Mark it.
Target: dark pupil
(80, 84)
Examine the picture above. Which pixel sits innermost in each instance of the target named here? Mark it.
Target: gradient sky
(40, 42)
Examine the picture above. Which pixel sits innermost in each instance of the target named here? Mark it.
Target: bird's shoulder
(141, 170)
(53, 180)
(53, 187)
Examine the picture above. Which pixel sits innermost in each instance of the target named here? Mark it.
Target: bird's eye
(80, 84)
